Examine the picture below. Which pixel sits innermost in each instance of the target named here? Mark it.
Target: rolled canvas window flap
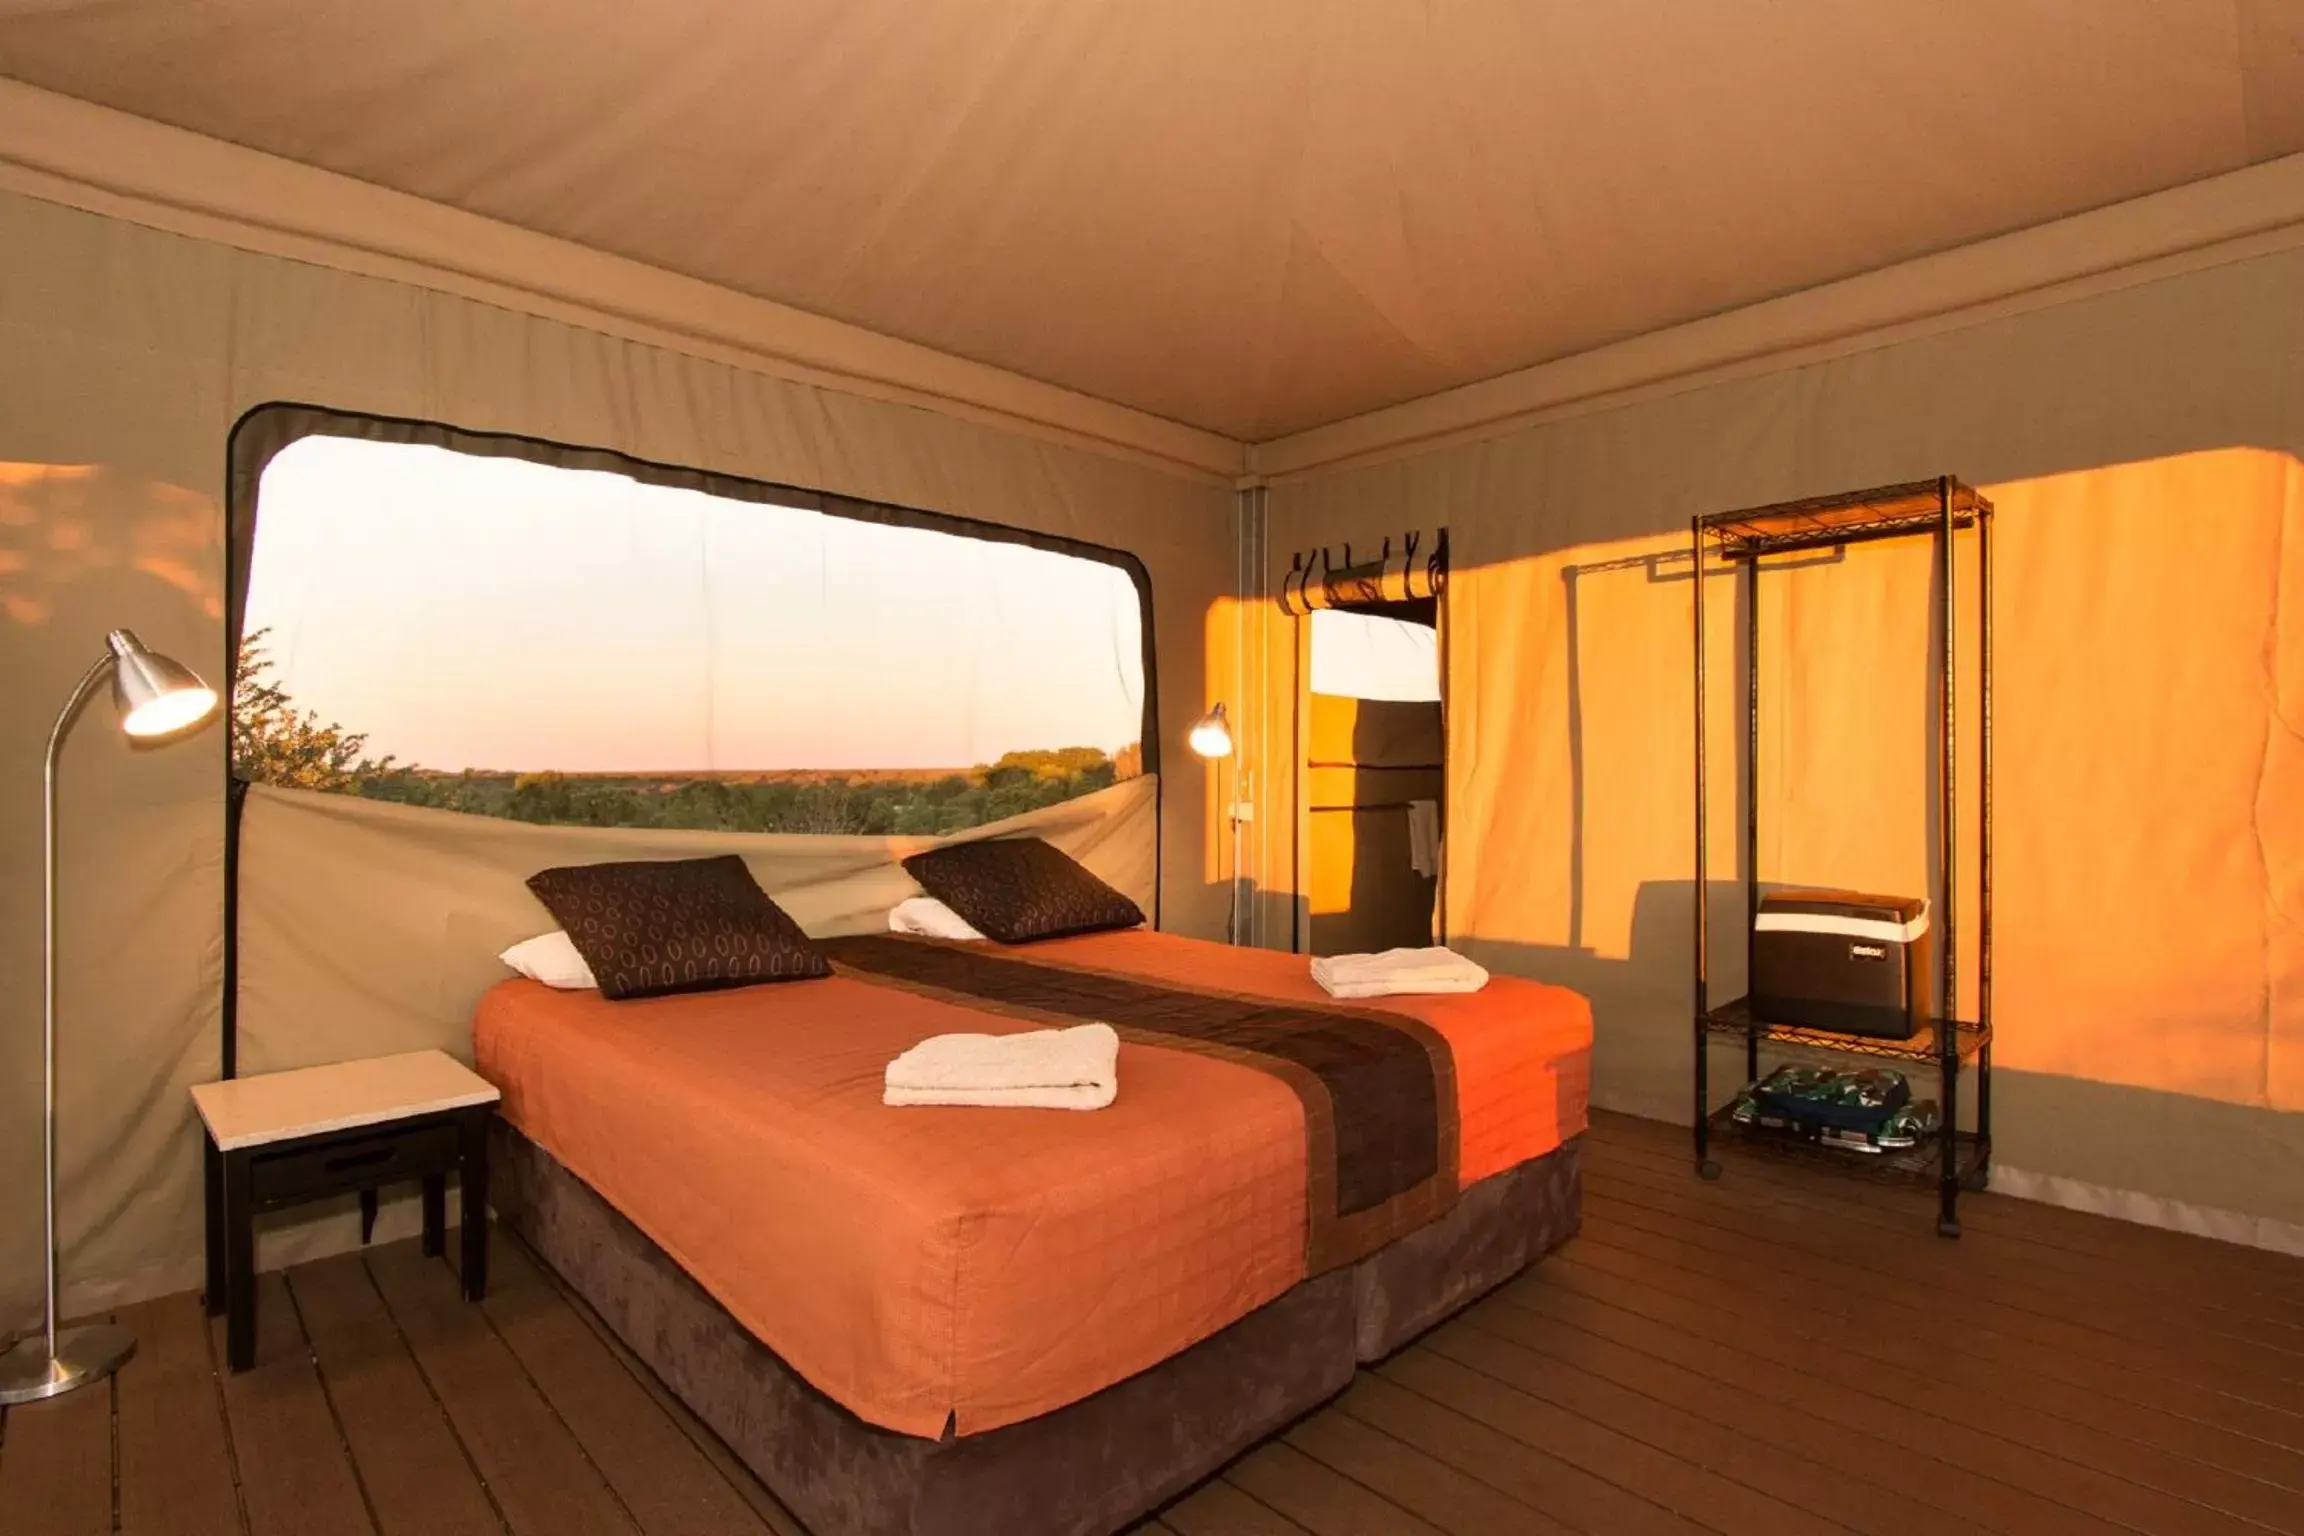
(1404, 571)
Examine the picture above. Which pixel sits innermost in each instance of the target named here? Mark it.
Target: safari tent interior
(1256, 769)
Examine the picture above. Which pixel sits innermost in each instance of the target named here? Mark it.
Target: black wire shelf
(1927, 509)
(1890, 512)
(1971, 1154)
(1921, 1050)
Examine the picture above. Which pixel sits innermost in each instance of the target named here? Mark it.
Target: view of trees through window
(273, 742)
(569, 660)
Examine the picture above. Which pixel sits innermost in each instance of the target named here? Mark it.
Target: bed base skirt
(1083, 1470)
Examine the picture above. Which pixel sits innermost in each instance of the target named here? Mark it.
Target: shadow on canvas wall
(2149, 803)
(84, 548)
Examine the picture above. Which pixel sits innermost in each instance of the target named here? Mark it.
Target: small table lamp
(158, 700)
(1212, 738)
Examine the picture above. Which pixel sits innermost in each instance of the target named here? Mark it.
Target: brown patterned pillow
(649, 927)
(1017, 889)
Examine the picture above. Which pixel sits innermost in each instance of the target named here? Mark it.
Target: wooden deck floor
(1745, 1359)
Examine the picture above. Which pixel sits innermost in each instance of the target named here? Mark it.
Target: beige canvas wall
(2144, 450)
(131, 354)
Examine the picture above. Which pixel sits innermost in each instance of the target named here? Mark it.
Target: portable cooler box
(1841, 961)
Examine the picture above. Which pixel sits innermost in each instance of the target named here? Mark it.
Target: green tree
(274, 742)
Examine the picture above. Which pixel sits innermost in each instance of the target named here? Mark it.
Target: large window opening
(514, 638)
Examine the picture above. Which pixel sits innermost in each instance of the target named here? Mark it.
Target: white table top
(281, 1106)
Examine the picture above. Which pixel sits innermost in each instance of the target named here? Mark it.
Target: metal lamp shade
(157, 697)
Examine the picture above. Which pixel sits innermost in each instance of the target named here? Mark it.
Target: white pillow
(930, 918)
(550, 958)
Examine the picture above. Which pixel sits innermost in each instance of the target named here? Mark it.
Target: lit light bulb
(170, 713)
(1212, 737)
(156, 696)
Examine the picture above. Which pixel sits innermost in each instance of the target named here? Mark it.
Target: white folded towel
(1398, 972)
(930, 918)
(1076, 1068)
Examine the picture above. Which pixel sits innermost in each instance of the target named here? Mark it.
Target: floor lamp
(158, 700)
(1212, 739)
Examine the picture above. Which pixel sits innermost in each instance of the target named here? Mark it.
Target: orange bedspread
(976, 1266)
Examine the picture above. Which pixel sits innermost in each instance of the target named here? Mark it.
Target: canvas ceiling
(1254, 216)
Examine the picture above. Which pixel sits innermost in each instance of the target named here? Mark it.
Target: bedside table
(285, 1138)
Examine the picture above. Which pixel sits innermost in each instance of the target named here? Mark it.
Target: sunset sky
(492, 613)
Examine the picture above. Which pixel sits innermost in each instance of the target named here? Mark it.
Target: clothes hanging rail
(1943, 509)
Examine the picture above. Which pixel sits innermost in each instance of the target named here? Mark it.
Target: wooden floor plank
(56, 1465)
(1216, 1508)
(296, 1474)
(2242, 1476)
(2182, 1255)
(1315, 1497)
(2243, 1311)
(1793, 1279)
(1786, 1483)
(2194, 1286)
(1569, 1496)
(763, 1504)
(419, 1480)
(1637, 1355)
(668, 1485)
(2060, 1492)
(175, 1461)
(1707, 1359)
(1510, 1432)
(2250, 1345)
(1655, 1210)
(2050, 1457)
(1453, 1502)
(1857, 1273)
(540, 1477)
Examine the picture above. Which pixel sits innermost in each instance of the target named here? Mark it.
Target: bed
(932, 1320)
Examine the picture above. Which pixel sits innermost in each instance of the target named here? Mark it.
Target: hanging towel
(1075, 1068)
(1424, 837)
(1398, 972)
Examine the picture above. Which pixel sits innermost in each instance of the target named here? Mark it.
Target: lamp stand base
(83, 1355)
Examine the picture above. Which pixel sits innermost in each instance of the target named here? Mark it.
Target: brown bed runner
(1378, 1089)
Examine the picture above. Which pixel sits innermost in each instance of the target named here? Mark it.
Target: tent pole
(1704, 1163)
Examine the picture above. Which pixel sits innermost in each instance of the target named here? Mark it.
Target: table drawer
(354, 1160)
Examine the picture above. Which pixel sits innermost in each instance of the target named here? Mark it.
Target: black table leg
(368, 1206)
(212, 1172)
(239, 1263)
(472, 1181)
(435, 1215)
